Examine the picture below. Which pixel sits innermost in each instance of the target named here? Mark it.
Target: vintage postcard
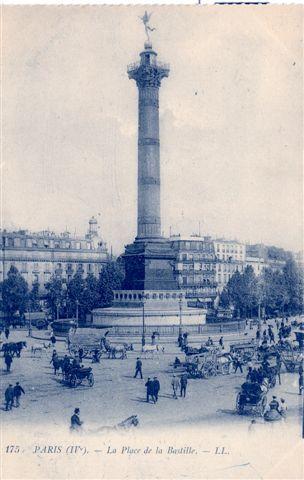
(151, 287)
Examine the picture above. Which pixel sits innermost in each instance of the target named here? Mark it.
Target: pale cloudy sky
(231, 116)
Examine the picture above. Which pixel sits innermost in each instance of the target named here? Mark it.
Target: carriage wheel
(209, 370)
(226, 368)
(239, 406)
(73, 380)
(91, 379)
(263, 404)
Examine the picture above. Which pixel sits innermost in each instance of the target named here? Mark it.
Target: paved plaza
(116, 394)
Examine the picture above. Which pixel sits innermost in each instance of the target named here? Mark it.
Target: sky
(231, 120)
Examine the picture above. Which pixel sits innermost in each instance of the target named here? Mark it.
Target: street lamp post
(77, 312)
(57, 310)
(30, 323)
(143, 338)
(180, 329)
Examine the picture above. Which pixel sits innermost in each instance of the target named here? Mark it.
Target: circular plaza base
(122, 320)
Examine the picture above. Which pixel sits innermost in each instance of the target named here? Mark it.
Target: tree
(224, 299)
(34, 298)
(249, 291)
(242, 292)
(234, 292)
(293, 283)
(75, 289)
(14, 291)
(56, 296)
(110, 278)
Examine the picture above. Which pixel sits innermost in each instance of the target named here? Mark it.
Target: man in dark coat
(18, 391)
(237, 364)
(8, 361)
(6, 332)
(149, 387)
(156, 388)
(9, 397)
(75, 421)
(183, 385)
(138, 368)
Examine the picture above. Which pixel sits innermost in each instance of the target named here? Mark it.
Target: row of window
(229, 248)
(46, 243)
(187, 245)
(47, 267)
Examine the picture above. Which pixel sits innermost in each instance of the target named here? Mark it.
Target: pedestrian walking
(149, 387)
(175, 385)
(283, 408)
(53, 340)
(221, 343)
(237, 364)
(7, 332)
(138, 368)
(18, 391)
(300, 379)
(8, 361)
(9, 397)
(80, 354)
(76, 423)
(183, 385)
(156, 389)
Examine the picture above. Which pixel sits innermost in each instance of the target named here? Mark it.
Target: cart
(208, 364)
(246, 351)
(251, 399)
(77, 376)
(88, 339)
(292, 357)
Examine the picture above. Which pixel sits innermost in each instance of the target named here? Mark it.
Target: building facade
(230, 257)
(39, 256)
(195, 267)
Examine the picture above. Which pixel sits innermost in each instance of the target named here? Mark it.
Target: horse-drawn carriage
(245, 351)
(251, 399)
(292, 355)
(208, 364)
(78, 375)
(86, 339)
(93, 344)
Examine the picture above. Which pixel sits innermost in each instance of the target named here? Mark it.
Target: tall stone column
(148, 74)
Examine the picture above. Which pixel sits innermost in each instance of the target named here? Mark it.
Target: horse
(13, 348)
(112, 350)
(39, 348)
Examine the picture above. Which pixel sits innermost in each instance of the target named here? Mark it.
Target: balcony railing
(161, 65)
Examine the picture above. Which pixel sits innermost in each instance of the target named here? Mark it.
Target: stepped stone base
(162, 311)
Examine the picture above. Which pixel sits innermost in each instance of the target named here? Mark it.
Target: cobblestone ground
(204, 421)
(117, 395)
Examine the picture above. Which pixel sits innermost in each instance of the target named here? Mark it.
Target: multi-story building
(195, 267)
(230, 257)
(257, 263)
(38, 256)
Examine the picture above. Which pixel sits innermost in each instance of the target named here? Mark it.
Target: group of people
(12, 396)
(153, 385)
(153, 388)
(276, 410)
